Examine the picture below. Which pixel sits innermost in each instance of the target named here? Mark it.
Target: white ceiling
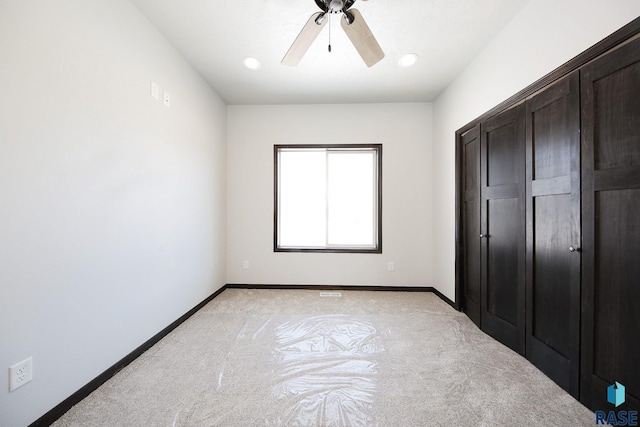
(216, 35)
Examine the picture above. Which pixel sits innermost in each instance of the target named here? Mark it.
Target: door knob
(482, 236)
(572, 249)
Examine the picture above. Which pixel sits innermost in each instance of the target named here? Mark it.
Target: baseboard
(60, 409)
(348, 288)
(440, 295)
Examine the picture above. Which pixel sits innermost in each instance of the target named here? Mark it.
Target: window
(328, 198)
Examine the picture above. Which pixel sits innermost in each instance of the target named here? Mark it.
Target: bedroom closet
(548, 221)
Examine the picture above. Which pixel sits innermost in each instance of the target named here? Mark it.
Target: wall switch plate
(155, 90)
(20, 374)
(167, 99)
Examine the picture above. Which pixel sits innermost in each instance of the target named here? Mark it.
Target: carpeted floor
(312, 358)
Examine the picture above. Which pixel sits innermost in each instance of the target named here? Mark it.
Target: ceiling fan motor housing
(334, 6)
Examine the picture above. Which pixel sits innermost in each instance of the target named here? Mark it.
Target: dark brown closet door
(502, 187)
(610, 88)
(553, 232)
(470, 182)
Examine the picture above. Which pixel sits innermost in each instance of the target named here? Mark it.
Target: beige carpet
(312, 358)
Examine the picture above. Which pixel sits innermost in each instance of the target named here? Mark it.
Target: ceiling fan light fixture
(408, 60)
(252, 63)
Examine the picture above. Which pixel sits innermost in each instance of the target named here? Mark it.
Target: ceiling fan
(352, 23)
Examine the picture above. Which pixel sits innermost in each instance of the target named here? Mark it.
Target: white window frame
(376, 247)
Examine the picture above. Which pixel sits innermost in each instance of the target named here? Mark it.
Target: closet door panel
(610, 348)
(470, 148)
(553, 227)
(472, 252)
(617, 133)
(552, 126)
(502, 259)
(502, 155)
(552, 300)
(503, 226)
(617, 314)
(471, 162)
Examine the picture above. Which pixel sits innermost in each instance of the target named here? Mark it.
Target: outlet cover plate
(20, 374)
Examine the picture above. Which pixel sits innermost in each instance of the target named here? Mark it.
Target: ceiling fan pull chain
(329, 24)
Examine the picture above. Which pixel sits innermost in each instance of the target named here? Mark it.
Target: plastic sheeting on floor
(323, 369)
(298, 358)
(290, 363)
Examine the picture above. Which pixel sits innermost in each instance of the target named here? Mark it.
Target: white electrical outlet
(167, 99)
(391, 266)
(20, 374)
(245, 264)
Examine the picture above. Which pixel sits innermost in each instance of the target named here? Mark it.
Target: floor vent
(331, 294)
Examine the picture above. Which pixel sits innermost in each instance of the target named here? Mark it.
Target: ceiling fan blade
(362, 38)
(302, 43)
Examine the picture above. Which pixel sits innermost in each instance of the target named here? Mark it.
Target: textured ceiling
(216, 35)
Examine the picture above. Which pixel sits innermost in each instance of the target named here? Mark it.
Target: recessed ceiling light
(252, 63)
(408, 60)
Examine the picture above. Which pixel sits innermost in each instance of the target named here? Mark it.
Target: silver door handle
(572, 249)
(482, 236)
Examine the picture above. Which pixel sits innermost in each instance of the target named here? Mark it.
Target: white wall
(112, 205)
(543, 36)
(404, 130)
